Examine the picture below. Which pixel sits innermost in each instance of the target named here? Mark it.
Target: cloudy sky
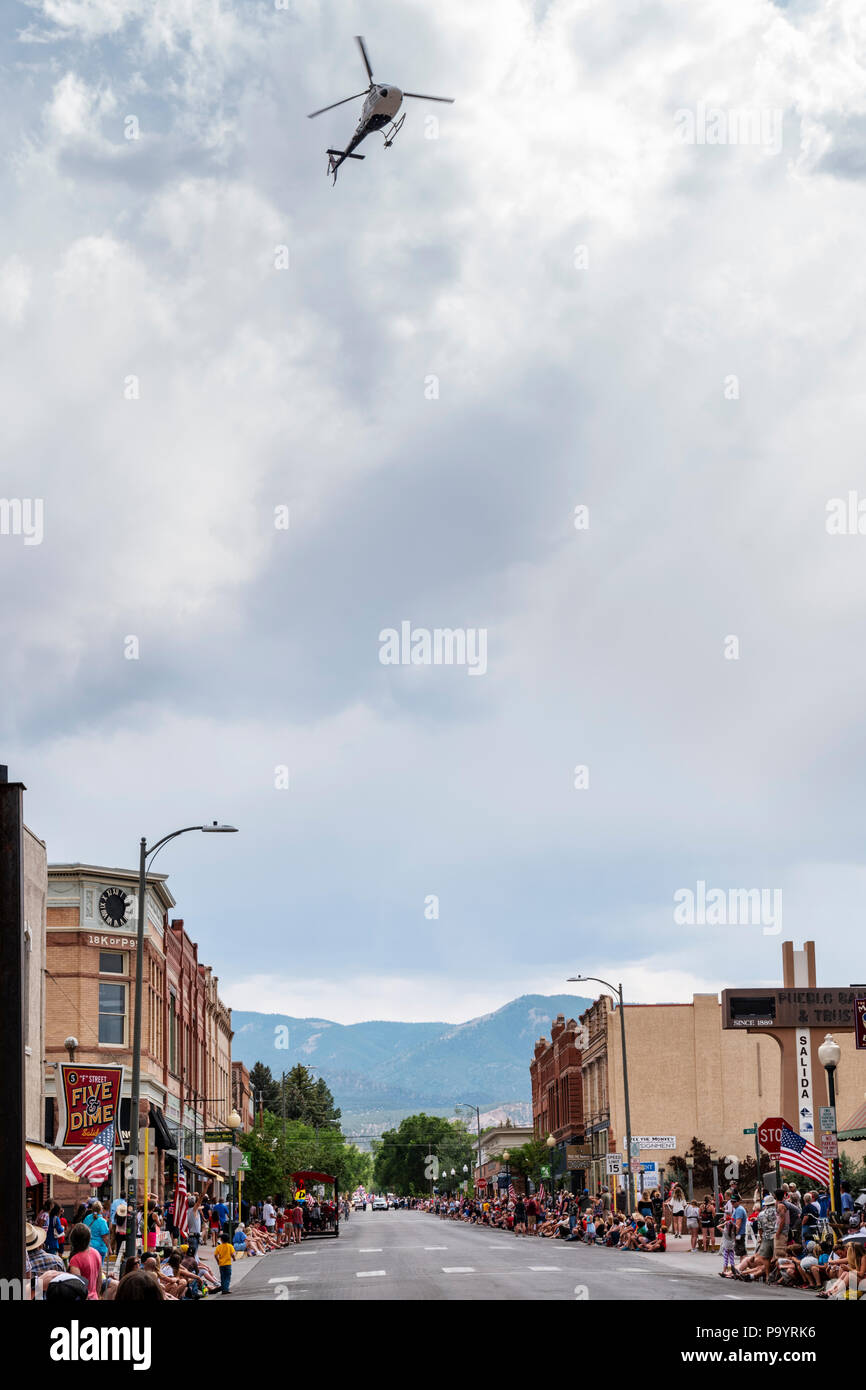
(568, 294)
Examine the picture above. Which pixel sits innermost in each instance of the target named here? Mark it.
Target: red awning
(310, 1176)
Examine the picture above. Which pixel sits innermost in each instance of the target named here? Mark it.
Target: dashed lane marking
(369, 1273)
(285, 1279)
(541, 1269)
(458, 1269)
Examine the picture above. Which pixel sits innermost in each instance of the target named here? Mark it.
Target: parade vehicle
(329, 1206)
(382, 101)
(380, 1204)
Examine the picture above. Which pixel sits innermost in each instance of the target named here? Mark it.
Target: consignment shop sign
(90, 1099)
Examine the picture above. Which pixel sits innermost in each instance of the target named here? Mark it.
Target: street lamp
(829, 1054)
(690, 1164)
(579, 979)
(551, 1145)
(233, 1122)
(146, 852)
(477, 1110)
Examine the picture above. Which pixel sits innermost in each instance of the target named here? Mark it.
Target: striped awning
(856, 1125)
(48, 1162)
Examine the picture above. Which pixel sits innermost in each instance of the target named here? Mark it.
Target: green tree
(402, 1161)
(527, 1159)
(307, 1099)
(261, 1081)
(275, 1150)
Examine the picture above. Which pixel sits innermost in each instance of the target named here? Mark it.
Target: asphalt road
(410, 1255)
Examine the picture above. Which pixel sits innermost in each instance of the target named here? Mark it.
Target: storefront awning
(856, 1125)
(49, 1163)
(165, 1140)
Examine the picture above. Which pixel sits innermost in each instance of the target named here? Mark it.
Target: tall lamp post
(551, 1148)
(506, 1156)
(829, 1054)
(147, 852)
(233, 1123)
(617, 990)
(466, 1106)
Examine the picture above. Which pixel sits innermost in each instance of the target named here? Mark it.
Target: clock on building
(115, 907)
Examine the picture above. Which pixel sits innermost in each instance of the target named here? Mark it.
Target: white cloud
(154, 259)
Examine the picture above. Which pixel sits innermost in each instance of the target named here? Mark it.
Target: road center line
(369, 1273)
(285, 1279)
(458, 1269)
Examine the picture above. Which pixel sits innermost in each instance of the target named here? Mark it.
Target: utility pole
(12, 1249)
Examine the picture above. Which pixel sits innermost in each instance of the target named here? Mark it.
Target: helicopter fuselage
(380, 107)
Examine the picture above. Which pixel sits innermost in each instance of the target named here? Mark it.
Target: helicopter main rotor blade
(337, 103)
(422, 97)
(363, 48)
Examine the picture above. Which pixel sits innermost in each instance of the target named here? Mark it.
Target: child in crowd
(728, 1248)
(225, 1254)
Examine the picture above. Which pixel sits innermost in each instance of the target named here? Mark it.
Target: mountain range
(380, 1071)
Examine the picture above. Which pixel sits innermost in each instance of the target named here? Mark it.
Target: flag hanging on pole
(181, 1206)
(34, 1177)
(94, 1163)
(512, 1195)
(797, 1154)
(541, 1193)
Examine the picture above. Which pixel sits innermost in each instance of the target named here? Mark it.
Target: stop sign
(770, 1134)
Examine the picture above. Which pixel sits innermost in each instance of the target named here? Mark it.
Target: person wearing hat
(119, 1211)
(39, 1261)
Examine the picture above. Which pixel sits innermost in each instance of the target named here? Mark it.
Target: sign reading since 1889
(788, 1008)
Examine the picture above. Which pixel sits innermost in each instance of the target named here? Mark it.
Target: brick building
(557, 1098)
(186, 1028)
(242, 1094)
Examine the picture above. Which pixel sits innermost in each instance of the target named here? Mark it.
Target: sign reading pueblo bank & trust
(788, 1008)
(90, 1099)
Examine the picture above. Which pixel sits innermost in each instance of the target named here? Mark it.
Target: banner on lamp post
(89, 1099)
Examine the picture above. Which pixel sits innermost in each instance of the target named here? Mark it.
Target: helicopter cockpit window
(383, 91)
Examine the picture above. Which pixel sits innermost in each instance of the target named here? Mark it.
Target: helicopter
(382, 102)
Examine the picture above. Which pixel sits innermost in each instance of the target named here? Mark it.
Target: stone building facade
(687, 1078)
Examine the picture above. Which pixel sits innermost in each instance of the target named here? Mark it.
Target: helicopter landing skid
(393, 131)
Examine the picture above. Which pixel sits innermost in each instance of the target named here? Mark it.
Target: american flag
(797, 1154)
(94, 1162)
(541, 1193)
(512, 1195)
(33, 1174)
(180, 1202)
